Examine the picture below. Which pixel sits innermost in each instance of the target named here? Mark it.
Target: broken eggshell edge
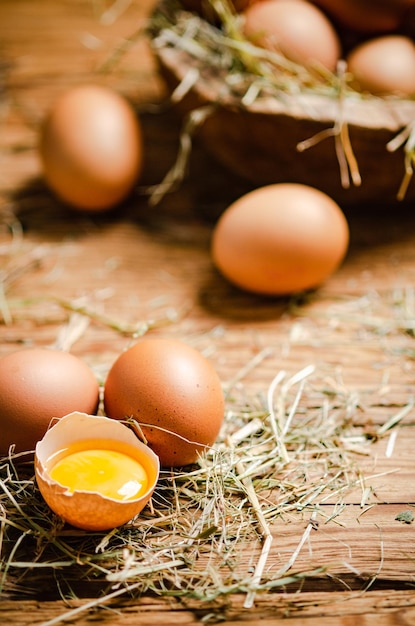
(88, 510)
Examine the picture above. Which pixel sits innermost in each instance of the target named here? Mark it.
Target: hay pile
(271, 120)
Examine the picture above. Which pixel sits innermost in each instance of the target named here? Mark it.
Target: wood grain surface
(145, 262)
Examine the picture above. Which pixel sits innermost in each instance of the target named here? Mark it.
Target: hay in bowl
(269, 120)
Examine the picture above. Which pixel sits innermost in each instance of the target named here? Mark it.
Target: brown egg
(384, 66)
(91, 148)
(173, 392)
(37, 385)
(296, 28)
(280, 239)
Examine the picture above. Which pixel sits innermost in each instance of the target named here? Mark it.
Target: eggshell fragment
(91, 148)
(37, 385)
(173, 392)
(280, 239)
(82, 509)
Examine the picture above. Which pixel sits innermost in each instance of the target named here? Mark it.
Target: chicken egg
(91, 148)
(94, 472)
(37, 385)
(296, 28)
(280, 239)
(173, 392)
(384, 66)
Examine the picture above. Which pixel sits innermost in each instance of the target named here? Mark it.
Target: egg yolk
(111, 473)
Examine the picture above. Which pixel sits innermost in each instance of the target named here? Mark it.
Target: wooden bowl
(291, 138)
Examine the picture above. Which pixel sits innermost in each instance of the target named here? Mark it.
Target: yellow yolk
(110, 473)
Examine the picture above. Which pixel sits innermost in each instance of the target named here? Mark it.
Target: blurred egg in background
(91, 148)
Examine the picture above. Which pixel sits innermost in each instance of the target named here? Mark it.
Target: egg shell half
(280, 239)
(86, 510)
(37, 385)
(173, 392)
(91, 148)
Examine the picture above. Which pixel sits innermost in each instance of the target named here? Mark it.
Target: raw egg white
(280, 239)
(173, 392)
(296, 28)
(91, 148)
(384, 66)
(93, 472)
(37, 385)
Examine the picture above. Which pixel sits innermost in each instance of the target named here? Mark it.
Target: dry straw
(237, 73)
(209, 530)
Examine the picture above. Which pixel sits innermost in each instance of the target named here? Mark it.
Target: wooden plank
(365, 545)
(146, 262)
(115, 287)
(391, 608)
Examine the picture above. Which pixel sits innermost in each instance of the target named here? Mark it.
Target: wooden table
(144, 262)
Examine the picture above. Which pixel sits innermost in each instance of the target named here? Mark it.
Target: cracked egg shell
(89, 509)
